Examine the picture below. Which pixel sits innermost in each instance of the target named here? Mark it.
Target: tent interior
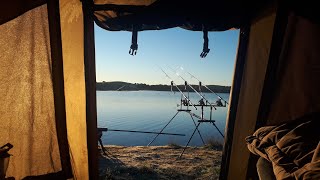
(48, 96)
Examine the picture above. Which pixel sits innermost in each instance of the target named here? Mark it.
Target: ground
(159, 162)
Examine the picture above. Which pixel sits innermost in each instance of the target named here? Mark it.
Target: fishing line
(192, 76)
(174, 84)
(191, 86)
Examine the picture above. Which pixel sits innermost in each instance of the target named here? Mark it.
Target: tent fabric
(250, 93)
(296, 84)
(164, 14)
(27, 100)
(74, 82)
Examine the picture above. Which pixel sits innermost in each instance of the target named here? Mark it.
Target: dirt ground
(159, 162)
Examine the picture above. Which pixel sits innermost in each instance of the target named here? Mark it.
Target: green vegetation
(125, 86)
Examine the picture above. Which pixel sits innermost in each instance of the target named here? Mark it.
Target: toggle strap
(206, 49)
(134, 42)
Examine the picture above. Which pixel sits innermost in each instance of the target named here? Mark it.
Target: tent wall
(27, 98)
(290, 88)
(279, 82)
(48, 88)
(257, 57)
(296, 86)
(72, 31)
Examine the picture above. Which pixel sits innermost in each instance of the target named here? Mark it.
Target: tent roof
(124, 15)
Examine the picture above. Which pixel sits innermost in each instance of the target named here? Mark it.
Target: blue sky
(165, 48)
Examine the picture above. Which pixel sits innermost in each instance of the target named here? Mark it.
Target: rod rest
(211, 121)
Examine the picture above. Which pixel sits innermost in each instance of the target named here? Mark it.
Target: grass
(159, 162)
(129, 172)
(213, 143)
(210, 143)
(174, 145)
(143, 172)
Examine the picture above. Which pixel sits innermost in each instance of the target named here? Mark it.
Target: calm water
(150, 111)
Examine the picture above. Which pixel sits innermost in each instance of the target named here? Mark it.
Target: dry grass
(174, 145)
(213, 143)
(160, 162)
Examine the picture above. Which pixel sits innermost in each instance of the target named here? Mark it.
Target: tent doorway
(134, 94)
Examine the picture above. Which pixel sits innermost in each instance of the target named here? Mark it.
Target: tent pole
(58, 86)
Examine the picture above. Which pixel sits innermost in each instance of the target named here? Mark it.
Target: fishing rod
(191, 87)
(147, 132)
(172, 83)
(200, 83)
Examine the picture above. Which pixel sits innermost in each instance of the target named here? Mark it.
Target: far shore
(125, 86)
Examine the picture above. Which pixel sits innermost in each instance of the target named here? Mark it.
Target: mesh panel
(27, 103)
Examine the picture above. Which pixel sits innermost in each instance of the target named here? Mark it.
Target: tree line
(125, 86)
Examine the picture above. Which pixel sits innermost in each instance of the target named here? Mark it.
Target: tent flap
(27, 96)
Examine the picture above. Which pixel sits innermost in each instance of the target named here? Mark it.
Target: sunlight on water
(150, 111)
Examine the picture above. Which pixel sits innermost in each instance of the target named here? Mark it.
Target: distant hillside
(125, 86)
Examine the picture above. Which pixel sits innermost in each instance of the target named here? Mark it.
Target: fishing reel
(219, 103)
(201, 102)
(184, 102)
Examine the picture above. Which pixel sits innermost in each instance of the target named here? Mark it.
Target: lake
(150, 111)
